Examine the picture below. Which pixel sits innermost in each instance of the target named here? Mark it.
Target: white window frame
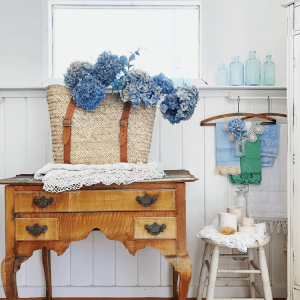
(47, 26)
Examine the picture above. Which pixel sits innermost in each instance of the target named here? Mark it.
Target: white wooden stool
(212, 249)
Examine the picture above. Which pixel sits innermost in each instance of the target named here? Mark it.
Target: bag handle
(66, 138)
(124, 132)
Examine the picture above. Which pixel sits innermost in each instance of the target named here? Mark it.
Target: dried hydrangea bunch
(89, 93)
(108, 67)
(76, 72)
(165, 83)
(139, 88)
(179, 105)
(88, 83)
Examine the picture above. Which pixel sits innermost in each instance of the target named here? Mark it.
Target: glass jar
(253, 70)
(268, 77)
(236, 72)
(222, 75)
(240, 200)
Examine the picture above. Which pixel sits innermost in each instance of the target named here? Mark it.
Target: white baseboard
(136, 292)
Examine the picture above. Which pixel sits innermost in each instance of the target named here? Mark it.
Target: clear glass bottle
(268, 76)
(241, 200)
(236, 72)
(222, 75)
(253, 70)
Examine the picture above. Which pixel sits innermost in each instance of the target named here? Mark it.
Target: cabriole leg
(182, 265)
(175, 284)
(47, 269)
(9, 267)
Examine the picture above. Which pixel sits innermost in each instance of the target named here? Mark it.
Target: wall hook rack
(232, 98)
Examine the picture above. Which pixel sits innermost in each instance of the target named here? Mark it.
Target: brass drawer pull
(43, 202)
(36, 229)
(146, 200)
(155, 229)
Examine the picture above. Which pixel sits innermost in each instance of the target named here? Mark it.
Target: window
(168, 35)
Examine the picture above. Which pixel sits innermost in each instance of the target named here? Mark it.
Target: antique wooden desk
(145, 213)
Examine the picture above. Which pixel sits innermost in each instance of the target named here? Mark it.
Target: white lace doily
(252, 129)
(238, 240)
(65, 177)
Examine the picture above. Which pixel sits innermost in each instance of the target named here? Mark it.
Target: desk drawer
(41, 201)
(96, 200)
(37, 229)
(122, 200)
(155, 228)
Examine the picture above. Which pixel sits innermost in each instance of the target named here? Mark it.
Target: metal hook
(238, 100)
(269, 105)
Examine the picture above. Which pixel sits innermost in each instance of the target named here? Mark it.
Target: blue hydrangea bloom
(139, 88)
(89, 93)
(236, 126)
(107, 67)
(165, 83)
(179, 105)
(76, 72)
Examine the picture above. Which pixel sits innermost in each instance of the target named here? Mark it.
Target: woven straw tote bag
(95, 135)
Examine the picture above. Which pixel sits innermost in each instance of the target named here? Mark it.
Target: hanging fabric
(269, 144)
(227, 162)
(268, 202)
(250, 165)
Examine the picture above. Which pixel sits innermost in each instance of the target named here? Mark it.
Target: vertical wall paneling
(36, 147)
(193, 153)
(25, 145)
(126, 267)
(15, 148)
(148, 267)
(104, 260)
(61, 268)
(82, 262)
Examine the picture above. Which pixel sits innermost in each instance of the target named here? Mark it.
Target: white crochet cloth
(238, 240)
(64, 177)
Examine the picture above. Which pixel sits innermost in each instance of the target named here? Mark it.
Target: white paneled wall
(98, 267)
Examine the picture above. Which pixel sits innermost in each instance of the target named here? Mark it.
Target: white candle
(227, 223)
(248, 222)
(236, 210)
(251, 230)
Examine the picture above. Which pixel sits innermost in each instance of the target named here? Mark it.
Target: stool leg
(213, 273)
(204, 270)
(264, 273)
(251, 276)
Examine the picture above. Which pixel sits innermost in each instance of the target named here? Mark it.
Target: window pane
(170, 37)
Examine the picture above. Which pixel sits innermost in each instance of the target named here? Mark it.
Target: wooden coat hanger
(247, 116)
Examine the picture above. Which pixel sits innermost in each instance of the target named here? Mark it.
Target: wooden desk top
(171, 176)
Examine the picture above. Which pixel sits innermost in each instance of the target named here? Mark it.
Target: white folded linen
(267, 202)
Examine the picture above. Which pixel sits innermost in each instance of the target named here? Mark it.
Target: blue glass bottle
(222, 75)
(236, 72)
(268, 72)
(253, 70)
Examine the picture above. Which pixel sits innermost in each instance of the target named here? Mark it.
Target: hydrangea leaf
(123, 59)
(131, 57)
